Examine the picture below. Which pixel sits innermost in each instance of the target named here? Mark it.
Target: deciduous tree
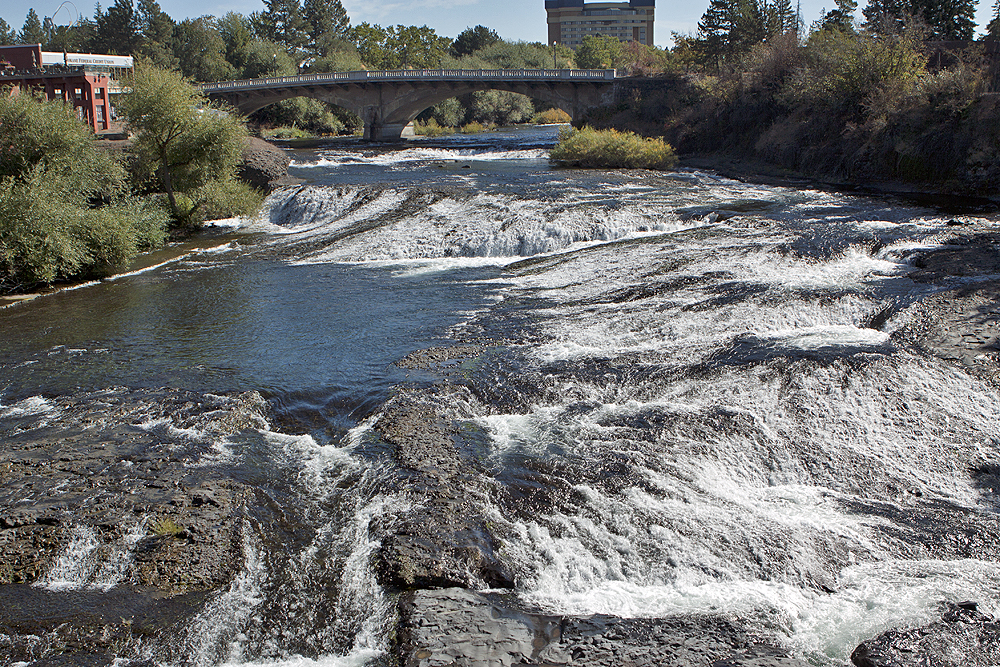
(50, 173)
(192, 148)
(599, 52)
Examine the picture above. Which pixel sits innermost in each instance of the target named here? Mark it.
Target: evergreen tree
(994, 27)
(282, 22)
(471, 40)
(732, 27)
(327, 23)
(156, 31)
(117, 29)
(32, 32)
(7, 34)
(947, 19)
(841, 18)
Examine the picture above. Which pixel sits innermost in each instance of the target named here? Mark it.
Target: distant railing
(410, 74)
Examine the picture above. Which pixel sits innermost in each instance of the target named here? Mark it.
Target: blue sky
(512, 19)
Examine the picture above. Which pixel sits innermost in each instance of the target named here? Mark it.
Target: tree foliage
(7, 34)
(399, 46)
(50, 175)
(947, 19)
(599, 52)
(31, 32)
(730, 28)
(328, 24)
(841, 18)
(471, 40)
(117, 29)
(192, 148)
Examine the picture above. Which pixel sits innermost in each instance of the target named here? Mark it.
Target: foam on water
(215, 635)
(29, 407)
(86, 563)
(333, 158)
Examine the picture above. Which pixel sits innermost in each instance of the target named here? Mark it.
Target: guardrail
(420, 74)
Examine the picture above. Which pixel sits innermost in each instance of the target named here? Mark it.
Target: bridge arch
(387, 101)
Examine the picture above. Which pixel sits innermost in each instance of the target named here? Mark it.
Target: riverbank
(862, 111)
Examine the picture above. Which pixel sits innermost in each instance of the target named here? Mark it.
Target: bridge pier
(384, 131)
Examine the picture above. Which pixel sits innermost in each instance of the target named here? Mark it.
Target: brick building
(570, 21)
(88, 81)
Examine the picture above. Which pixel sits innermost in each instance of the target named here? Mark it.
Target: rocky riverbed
(124, 475)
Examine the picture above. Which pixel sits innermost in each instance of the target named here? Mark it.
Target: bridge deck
(401, 75)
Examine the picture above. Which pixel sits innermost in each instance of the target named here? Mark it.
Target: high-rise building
(572, 20)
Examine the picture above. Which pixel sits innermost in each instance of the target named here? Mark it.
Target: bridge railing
(411, 74)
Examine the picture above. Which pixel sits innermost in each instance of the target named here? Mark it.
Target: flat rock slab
(458, 627)
(963, 637)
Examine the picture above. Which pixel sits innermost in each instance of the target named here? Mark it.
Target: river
(675, 394)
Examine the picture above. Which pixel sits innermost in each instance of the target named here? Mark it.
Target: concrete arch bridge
(387, 101)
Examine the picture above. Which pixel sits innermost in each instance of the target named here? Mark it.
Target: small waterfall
(216, 634)
(77, 564)
(88, 564)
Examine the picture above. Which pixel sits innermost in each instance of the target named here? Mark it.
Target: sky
(512, 19)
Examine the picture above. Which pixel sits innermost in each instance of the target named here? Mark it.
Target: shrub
(475, 128)
(64, 209)
(610, 148)
(551, 117)
(430, 128)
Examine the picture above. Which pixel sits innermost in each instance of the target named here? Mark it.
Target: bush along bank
(850, 107)
(588, 147)
(72, 211)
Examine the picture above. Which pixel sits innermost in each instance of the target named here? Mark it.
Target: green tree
(117, 30)
(283, 22)
(841, 18)
(730, 28)
(32, 32)
(50, 173)
(341, 56)
(947, 19)
(7, 34)
(327, 22)
(201, 52)
(251, 56)
(416, 47)
(399, 46)
(370, 41)
(192, 148)
(156, 31)
(599, 52)
(471, 40)
(994, 26)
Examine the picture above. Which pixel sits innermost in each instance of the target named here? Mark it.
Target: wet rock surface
(444, 541)
(460, 627)
(84, 627)
(961, 322)
(103, 489)
(963, 637)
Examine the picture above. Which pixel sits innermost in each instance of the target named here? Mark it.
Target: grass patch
(610, 148)
(165, 526)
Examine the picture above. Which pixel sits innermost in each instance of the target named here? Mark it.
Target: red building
(86, 80)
